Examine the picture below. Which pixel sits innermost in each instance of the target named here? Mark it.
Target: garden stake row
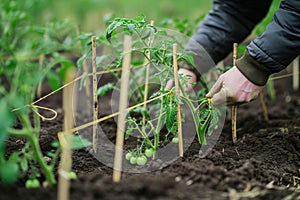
(122, 109)
(95, 96)
(175, 65)
(234, 108)
(65, 139)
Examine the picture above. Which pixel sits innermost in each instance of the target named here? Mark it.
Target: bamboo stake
(123, 103)
(175, 65)
(234, 108)
(65, 139)
(95, 96)
(147, 78)
(296, 74)
(263, 103)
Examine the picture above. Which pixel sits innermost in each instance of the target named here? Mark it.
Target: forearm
(228, 22)
(278, 46)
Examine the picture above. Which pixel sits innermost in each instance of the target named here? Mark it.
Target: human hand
(233, 88)
(189, 87)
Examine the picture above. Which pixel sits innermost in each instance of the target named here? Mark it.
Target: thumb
(169, 85)
(215, 88)
(220, 97)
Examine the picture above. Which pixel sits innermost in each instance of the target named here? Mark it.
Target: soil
(264, 164)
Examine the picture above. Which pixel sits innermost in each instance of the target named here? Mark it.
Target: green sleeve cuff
(252, 70)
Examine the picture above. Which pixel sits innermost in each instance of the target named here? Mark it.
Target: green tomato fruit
(142, 160)
(133, 160)
(128, 156)
(9, 172)
(175, 140)
(32, 183)
(149, 152)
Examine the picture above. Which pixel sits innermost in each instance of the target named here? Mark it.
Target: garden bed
(264, 164)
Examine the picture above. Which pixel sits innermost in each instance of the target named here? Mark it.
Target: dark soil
(264, 164)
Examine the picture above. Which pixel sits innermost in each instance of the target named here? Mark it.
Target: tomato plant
(152, 47)
(28, 55)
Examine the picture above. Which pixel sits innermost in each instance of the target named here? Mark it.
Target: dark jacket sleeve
(278, 46)
(228, 22)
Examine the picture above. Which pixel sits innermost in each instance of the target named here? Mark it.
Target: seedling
(22, 46)
(167, 107)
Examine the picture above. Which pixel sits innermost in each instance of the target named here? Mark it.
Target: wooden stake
(263, 103)
(296, 74)
(147, 78)
(175, 65)
(234, 108)
(65, 139)
(95, 96)
(123, 103)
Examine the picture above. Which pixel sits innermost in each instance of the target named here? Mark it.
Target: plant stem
(27, 132)
(33, 140)
(159, 125)
(39, 157)
(263, 103)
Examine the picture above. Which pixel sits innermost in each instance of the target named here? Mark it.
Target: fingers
(215, 88)
(169, 85)
(219, 97)
(189, 87)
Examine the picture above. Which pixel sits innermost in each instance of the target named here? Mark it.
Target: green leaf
(55, 144)
(203, 115)
(111, 28)
(171, 111)
(78, 142)
(142, 110)
(63, 70)
(128, 132)
(101, 59)
(271, 89)
(188, 59)
(24, 164)
(80, 61)
(9, 172)
(6, 120)
(103, 90)
(162, 32)
(50, 154)
(53, 79)
(213, 122)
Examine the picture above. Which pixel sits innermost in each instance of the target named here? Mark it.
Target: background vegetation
(90, 15)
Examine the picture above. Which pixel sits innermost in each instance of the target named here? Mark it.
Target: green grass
(90, 14)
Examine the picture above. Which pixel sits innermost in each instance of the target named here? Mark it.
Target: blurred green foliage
(91, 15)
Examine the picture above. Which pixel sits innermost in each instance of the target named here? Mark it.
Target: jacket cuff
(252, 70)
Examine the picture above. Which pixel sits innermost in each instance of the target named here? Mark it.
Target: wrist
(252, 70)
